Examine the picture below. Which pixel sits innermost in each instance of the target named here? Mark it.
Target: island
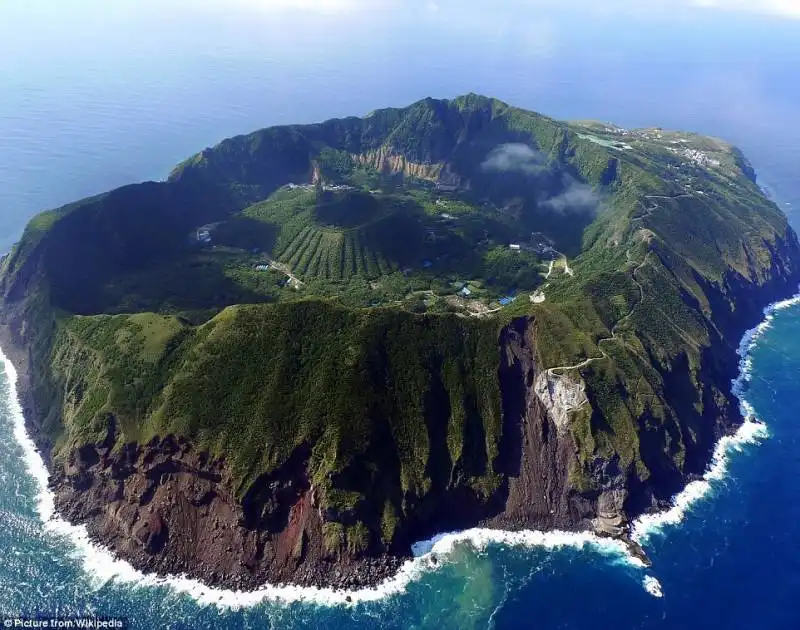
(314, 345)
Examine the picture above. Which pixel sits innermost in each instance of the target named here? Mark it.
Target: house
(262, 267)
(204, 236)
(448, 182)
(515, 246)
(465, 292)
(505, 301)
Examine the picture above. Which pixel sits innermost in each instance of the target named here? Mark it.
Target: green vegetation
(313, 286)
(372, 390)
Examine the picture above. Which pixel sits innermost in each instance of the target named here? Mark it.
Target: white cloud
(577, 197)
(514, 157)
(312, 6)
(781, 8)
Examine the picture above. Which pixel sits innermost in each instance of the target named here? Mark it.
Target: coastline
(103, 565)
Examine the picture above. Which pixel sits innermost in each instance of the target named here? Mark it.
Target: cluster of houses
(465, 291)
(448, 182)
(326, 187)
(538, 244)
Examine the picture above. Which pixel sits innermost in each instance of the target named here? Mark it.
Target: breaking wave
(102, 567)
(751, 431)
(652, 586)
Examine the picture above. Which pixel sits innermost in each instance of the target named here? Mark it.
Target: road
(613, 336)
(285, 269)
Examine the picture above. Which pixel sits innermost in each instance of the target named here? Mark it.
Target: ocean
(96, 97)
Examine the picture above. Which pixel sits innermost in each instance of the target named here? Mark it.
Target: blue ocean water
(96, 96)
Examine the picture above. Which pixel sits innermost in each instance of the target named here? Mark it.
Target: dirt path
(283, 268)
(638, 268)
(603, 355)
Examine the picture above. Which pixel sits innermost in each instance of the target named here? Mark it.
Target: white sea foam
(102, 567)
(751, 432)
(479, 539)
(646, 525)
(652, 586)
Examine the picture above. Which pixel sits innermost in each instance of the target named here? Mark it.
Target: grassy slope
(375, 392)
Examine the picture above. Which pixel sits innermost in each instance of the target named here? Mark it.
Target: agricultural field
(371, 248)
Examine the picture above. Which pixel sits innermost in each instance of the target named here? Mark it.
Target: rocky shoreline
(169, 510)
(80, 504)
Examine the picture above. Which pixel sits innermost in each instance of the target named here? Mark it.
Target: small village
(465, 297)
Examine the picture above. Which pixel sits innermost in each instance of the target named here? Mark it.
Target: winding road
(613, 337)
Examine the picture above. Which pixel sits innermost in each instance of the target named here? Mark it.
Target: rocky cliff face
(384, 160)
(537, 456)
(704, 406)
(167, 508)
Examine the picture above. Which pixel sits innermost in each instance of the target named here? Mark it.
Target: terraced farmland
(342, 236)
(336, 255)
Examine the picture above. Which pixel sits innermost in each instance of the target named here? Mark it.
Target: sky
(781, 8)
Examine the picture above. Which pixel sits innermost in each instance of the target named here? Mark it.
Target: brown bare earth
(170, 510)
